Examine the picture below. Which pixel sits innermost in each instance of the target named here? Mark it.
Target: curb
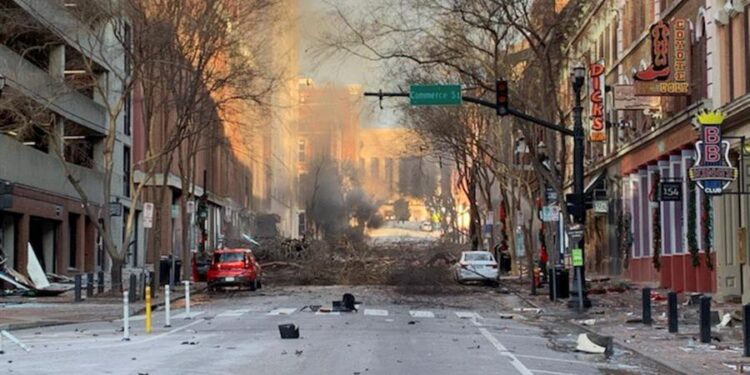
(173, 299)
(54, 323)
(660, 363)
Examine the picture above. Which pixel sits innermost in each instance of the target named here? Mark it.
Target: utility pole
(579, 298)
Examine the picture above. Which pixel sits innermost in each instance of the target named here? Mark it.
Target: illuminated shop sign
(598, 133)
(670, 69)
(712, 171)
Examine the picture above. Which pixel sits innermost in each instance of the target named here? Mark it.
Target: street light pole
(579, 214)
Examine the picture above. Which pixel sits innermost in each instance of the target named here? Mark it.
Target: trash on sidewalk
(587, 322)
(289, 331)
(528, 309)
(593, 343)
(726, 321)
(655, 296)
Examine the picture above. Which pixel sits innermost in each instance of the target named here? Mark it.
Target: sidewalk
(618, 314)
(32, 312)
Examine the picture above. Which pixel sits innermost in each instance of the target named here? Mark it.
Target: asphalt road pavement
(236, 333)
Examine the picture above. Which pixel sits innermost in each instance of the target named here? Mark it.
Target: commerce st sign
(435, 95)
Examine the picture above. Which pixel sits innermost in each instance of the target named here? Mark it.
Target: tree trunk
(116, 273)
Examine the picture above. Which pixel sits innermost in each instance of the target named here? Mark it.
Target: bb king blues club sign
(712, 171)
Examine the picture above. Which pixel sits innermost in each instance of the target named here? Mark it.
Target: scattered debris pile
(37, 284)
(347, 264)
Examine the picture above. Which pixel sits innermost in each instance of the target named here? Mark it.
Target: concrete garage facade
(38, 206)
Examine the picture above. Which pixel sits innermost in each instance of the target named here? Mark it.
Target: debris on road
(534, 310)
(289, 331)
(587, 322)
(595, 344)
(412, 322)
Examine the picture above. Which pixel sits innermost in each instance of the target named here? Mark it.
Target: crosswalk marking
(421, 314)
(283, 311)
(467, 315)
(374, 312)
(232, 313)
(327, 313)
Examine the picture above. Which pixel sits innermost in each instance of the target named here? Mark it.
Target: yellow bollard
(148, 309)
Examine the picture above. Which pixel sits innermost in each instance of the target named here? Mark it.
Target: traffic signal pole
(502, 108)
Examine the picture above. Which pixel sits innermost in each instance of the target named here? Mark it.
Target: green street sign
(435, 94)
(577, 257)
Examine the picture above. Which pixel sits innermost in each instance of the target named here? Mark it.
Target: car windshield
(477, 257)
(228, 257)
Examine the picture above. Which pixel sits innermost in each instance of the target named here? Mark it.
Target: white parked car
(476, 266)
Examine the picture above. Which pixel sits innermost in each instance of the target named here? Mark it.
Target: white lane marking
(133, 341)
(554, 359)
(421, 314)
(551, 372)
(283, 311)
(468, 315)
(178, 329)
(374, 312)
(334, 313)
(504, 352)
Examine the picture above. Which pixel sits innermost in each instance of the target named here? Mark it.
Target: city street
(236, 332)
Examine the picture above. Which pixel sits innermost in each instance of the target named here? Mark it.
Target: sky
(313, 19)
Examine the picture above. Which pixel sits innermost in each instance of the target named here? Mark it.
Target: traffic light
(501, 90)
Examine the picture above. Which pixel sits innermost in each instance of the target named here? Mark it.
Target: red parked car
(234, 267)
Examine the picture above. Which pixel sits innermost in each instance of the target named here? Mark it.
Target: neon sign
(598, 134)
(713, 171)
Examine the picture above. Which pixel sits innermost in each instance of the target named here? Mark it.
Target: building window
(126, 171)
(679, 242)
(127, 122)
(637, 220)
(698, 71)
(302, 151)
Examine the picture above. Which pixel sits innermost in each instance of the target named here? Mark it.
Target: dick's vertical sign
(713, 171)
(598, 132)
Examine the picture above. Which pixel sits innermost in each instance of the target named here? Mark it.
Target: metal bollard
(746, 329)
(148, 309)
(187, 300)
(132, 291)
(89, 285)
(646, 297)
(705, 319)
(167, 307)
(78, 286)
(672, 314)
(125, 317)
(100, 287)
